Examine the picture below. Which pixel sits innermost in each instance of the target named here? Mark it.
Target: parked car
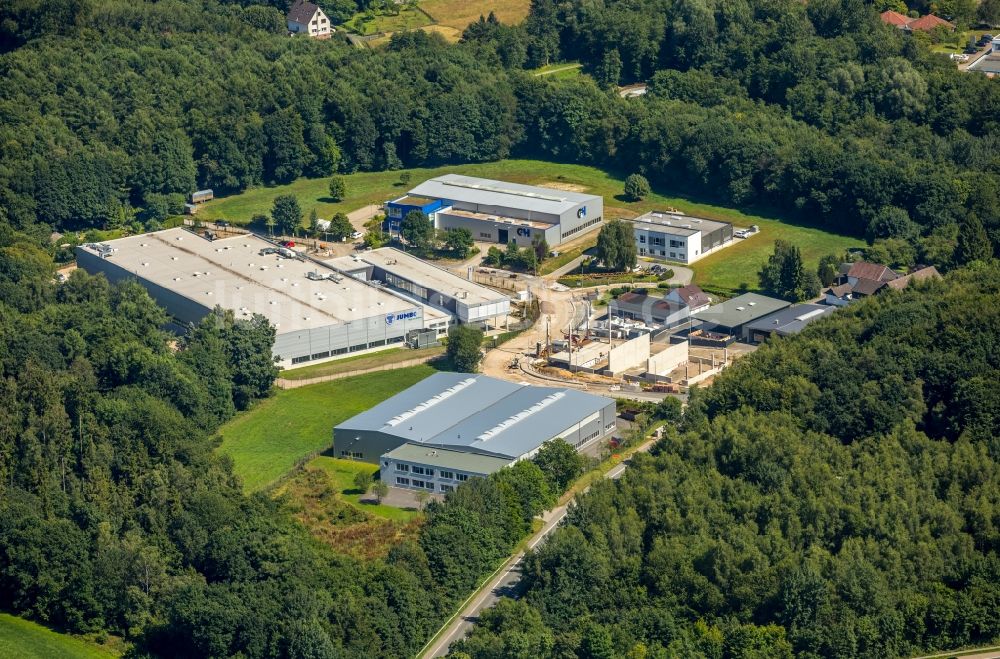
(356, 235)
(742, 233)
(970, 50)
(288, 243)
(221, 223)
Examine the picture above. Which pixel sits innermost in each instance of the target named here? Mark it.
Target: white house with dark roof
(308, 19)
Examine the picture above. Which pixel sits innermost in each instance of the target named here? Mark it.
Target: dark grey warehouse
(452, 426)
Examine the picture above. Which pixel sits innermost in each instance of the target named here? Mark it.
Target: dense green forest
(117, 515)
(112, 110)
(836, 494)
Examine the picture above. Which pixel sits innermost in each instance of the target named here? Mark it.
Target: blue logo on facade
(582, 213)
(406, 315)
(524, 232)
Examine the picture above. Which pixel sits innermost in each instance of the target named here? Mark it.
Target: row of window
(406, 285)
(341, 351)
(427, 485)
(654, 252)
(485, 234)
(350, 454)
(583, 226)
(427, 471)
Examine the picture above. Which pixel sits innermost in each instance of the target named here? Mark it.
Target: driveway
(362, 215)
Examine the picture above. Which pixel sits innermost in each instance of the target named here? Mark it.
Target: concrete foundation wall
(666, 361)
(629, 354)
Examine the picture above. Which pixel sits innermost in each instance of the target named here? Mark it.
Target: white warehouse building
(317, 312)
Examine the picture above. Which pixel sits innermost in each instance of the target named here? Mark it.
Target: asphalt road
(505, 582)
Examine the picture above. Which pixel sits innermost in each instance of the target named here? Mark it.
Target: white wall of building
(666, 361)
(629, 354)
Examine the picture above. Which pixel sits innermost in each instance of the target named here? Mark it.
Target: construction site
(660, 361)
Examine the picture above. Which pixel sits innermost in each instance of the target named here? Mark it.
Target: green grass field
(735, 267)
(341, 474)
(23, 639)
(728, 269)
(405, 19)
(268, 440)
(359, 362)
(365, 188)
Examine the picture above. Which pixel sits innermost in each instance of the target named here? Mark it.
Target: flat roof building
(498, 211)
(674, 236)
(467, 301)
(468, 424)
(733, 316)
(787, 321)
(317, 313)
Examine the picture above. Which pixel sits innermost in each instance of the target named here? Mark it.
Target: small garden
(387, 17)
(590, 274)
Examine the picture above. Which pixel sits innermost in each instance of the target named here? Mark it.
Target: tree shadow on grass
(625, 200)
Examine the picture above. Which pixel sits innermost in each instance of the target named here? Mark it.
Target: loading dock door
(503, 236)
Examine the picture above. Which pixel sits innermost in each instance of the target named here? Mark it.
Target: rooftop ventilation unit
(431, 402)
(741, 308)
(752, 304)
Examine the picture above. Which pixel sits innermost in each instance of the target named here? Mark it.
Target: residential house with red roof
(924, 23)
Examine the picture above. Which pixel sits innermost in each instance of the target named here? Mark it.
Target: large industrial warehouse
(453, 426)
(500, 212)
(317, 312)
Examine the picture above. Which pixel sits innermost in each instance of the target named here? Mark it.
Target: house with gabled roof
(308, 19)
(858, 280)
(926, 23)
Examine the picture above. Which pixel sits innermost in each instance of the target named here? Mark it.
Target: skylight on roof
(521, 416)
(431, 402)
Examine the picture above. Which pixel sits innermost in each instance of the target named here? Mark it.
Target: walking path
(505, 578)
(562, 68)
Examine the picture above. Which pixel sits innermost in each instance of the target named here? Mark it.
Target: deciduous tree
(464, 349)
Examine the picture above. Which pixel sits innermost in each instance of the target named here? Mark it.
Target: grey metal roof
(478, 413)
(741, 310)
(486, 192)
(791, 320)
(677, 224)
(234, 274)
(448, 459)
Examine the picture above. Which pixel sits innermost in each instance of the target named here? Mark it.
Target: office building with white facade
(673, 236)
(454, 426)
